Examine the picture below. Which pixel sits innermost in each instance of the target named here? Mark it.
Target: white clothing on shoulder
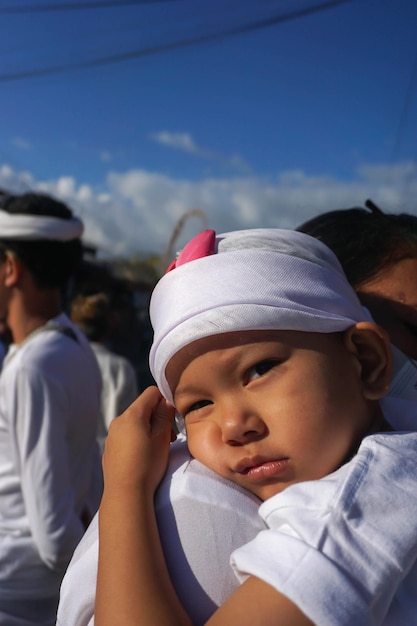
(202, 518)
(344, 548)
(50, 473)
(119, 385)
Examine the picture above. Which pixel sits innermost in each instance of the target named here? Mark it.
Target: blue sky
(264, 128)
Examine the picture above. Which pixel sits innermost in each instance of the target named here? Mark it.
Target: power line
(77, 6)
(185, 43)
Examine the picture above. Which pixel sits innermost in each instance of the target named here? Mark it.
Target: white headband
(258, 279)
(37, 227)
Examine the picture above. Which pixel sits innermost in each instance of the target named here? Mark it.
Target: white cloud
(137, 210)
(16, 181)
(237, 163)
(186, 143)
(179, 141)
(65, 187)
(21, 143)
(389, 173)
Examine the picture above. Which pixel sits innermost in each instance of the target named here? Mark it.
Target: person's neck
(27, 316)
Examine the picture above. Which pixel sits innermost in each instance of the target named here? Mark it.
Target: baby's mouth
(259, 469)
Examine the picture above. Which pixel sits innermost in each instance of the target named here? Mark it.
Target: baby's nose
(239, 427)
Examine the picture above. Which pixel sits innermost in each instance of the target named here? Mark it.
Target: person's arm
(38, 418)
(133, 584)
(255, 603)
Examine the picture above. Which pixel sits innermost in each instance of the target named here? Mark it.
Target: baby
(267, 355)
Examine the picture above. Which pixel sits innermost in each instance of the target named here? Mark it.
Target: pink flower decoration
(200, 246)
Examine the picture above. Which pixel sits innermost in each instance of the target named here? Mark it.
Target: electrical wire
(77, 6)
(185, 43)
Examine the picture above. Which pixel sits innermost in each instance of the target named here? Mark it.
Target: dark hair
(366, 241)
(51, 263)
(91, 313)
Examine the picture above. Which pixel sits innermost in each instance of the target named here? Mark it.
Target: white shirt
(119, 385)
(202, 518)
(344, 548)
(49, 460)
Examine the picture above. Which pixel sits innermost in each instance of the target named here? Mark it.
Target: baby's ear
(371, 345)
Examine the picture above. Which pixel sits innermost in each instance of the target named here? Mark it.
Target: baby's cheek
(200, 442)
(195, 435)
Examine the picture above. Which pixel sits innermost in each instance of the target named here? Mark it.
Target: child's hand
(137, 446)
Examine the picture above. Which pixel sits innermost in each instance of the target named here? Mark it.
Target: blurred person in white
(92, 315)
(50, 473)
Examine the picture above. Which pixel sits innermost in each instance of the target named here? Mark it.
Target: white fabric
(49, 463)
(38, 227)
(344, 548)
(259, 279)
(202, 518)
(119, 386)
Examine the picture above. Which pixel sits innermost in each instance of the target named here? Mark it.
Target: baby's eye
(261, 368)
(195, 406)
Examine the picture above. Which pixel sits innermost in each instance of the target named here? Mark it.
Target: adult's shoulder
(344, 541)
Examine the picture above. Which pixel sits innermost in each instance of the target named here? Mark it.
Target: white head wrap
(258, 279)
(38, 227)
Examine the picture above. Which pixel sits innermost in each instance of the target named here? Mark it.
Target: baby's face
(267, 409)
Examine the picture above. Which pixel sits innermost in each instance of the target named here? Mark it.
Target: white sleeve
(78, 588)
(126, 388)
(38, 424)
